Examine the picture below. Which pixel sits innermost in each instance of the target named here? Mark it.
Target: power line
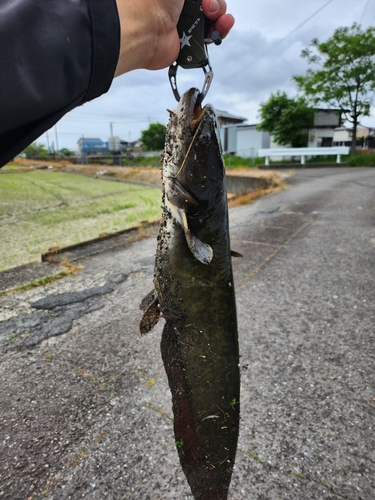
(79, 133)
(102, 118)
(364, 10)
(277, 43)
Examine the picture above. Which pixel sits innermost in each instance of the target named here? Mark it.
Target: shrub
(362, 160)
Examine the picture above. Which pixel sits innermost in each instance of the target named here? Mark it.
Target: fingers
(216, 11)
(214, 8)
(224, 24)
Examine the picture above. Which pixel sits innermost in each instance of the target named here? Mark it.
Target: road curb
(51, 261)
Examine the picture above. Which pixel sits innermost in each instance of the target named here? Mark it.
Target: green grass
(10, 166)
(358, 160)
(37, 283)
(39, 210)
(142, 161)
(326, 159)
(239, 162)
(362, 160)
(138, 161)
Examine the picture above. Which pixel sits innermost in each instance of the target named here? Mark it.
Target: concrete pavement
(87, 412)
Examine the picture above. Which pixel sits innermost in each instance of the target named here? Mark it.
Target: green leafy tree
(287, 119)
(35, 149)
(345, 77)
(65, 152)
(153, 138)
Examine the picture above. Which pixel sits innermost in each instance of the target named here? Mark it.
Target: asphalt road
(84, 402)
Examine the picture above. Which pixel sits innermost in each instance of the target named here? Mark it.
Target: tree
(288, 119)
(153, 138)
(346, 75)
(65, 152)
(35, 149)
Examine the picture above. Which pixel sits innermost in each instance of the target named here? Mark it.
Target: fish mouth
(192, 103)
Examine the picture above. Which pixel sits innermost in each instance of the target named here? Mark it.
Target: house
(244, 140)
(238, 138)
(224, 118)
(228, 129)
(325, 123)
(320, 135)
(365, 136)
(92, 145)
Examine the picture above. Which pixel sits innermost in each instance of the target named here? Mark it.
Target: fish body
(194, 292)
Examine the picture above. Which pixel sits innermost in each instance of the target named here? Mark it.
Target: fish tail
(205, 482)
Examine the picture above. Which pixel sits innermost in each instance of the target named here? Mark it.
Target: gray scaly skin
(194, 292)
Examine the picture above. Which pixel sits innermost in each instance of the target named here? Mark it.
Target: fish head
(179, 133)
(193, 175)
(193, 152)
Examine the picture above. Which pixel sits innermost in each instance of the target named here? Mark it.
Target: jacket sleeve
(54, 55)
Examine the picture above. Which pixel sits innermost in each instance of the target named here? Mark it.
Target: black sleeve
(54, 55)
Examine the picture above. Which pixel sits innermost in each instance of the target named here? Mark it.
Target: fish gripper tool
(192, 28)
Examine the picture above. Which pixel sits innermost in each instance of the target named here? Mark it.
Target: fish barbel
(194, 293)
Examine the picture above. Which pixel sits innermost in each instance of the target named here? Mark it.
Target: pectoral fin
(150, 306)
(179, 196)
(147, 300)
(200, 250)
(233, 253)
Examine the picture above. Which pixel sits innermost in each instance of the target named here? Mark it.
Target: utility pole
(83, 152)
(49, 151)
(57, 141)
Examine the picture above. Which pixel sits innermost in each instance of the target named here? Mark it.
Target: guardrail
(303, 152)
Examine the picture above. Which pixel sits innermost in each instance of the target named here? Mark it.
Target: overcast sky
(260, 56)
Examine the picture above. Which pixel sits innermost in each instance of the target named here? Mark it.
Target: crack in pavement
(25, 331)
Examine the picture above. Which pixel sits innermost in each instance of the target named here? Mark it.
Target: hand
(149, 37)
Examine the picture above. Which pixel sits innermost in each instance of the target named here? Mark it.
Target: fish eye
(205, 137)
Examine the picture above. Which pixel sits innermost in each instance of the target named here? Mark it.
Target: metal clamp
(208, 76)
(192, 28)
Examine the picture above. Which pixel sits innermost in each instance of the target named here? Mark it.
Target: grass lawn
(43, 209)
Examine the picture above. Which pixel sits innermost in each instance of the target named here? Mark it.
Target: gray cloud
(257, 58)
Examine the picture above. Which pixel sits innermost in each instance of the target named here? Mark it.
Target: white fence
(303, 152)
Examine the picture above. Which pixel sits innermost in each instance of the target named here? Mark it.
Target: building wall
(327, 118)
(363, 131)
(320, 137)
(92, 146)
(230, 142)
(250, 140)
(342, 136)
(244, 141)
(275, 145)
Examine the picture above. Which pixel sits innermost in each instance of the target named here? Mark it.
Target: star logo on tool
(185, 40)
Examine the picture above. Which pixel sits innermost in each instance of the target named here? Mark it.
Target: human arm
(151, 41)
(56, 55)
